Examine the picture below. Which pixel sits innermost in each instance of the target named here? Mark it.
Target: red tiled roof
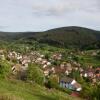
(98, 69)
(77, 85)
(60, 70)
(75, 94)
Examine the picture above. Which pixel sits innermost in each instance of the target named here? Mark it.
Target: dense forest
(69, 37)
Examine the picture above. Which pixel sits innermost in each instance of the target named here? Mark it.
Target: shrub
(53, 83)
(5, 68)
(91, 92)
(35, 74)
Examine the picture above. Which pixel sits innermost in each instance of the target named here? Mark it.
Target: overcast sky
(40, 15)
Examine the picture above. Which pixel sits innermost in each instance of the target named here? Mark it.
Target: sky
(41, 15)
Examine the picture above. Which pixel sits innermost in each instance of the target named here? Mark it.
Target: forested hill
(70, 37)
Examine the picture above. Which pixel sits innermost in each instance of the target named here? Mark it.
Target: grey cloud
(65, 6)
(3, 27)
(37, 15)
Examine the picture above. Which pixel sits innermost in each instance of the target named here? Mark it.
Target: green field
(89, 60)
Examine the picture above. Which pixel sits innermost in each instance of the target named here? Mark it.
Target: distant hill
(70, 37)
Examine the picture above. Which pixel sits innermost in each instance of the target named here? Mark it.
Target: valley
(58, 64)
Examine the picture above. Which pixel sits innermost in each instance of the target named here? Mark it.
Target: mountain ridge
(70, 37)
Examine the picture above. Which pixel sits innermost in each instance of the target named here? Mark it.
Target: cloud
(65, 6)
(3, 27)
(40, 15)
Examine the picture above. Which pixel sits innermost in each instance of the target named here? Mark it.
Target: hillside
(19, 90)
(70, 37)
(30, 69)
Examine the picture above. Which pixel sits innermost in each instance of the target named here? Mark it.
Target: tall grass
(8, 97)
(19, 90)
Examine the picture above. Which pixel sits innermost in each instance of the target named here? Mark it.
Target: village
(63, 70)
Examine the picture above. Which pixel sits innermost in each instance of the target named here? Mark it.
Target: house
(58, 70)
(19, 68)
(57, 56)
(39, 59)
(53, 70)
(47, 71)
(97, 73)
(16, 68)
(1, 51)
(94, 80)
(89, 73)
(94, 53)
(70, 83)
(48, 63)
(44, 61)
(85, 75)
(2, 56)
(42, 56)
(19, 57)
(12, 55)
(81, 70)
(62, 65)
(24, 67)
(67, 72)
(69, 67)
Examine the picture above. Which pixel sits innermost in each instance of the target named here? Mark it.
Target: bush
(35, 74)
(91, 92)
(53, 83)
(5, 68)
